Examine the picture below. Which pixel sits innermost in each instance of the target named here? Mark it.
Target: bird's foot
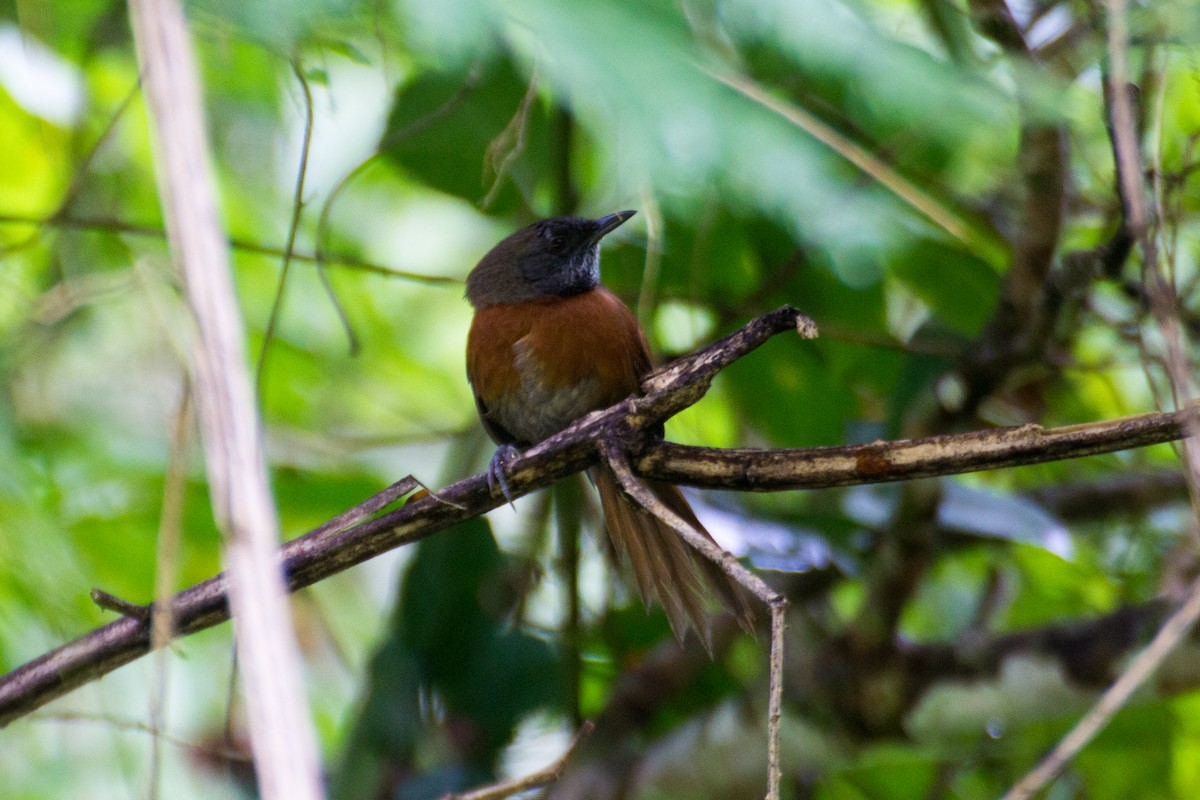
(497, 470)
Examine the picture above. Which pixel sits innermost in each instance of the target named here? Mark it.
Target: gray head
(556, 257)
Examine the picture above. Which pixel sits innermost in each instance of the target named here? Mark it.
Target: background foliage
(937, 193)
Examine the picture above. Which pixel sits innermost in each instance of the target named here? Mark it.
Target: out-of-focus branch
(133, 229)
(280, 726)
(922, 690)
(1029, 305)
(536, 780)
(1164, 306)
(1122, 494)
(1114, 698)
(1019, 332)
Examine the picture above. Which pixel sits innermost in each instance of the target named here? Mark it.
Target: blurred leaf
(450, 645)
(970, 510)
(945, 277)
(442, 125)
(818, 408)
(622, 104)
(1132, 756)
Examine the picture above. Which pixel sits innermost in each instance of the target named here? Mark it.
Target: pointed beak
(605, 225)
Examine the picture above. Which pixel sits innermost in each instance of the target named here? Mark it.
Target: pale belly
(538, 411)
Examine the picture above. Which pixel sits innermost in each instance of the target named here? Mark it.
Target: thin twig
(367, 508)
(80, 170)
(134, 229)
(543, 777)
(170, 525)
(419, 126)
(293, 228)
(1163, 305)
(637, 489)
(514, 132)
(170, 531)
(652, 265)
(141, 727)
(615, 457)
(125, 608)
(862, 158)
(1114, 698)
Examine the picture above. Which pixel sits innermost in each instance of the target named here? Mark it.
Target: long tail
(665, 567)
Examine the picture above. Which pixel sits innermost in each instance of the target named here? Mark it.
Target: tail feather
(634, 539)
(665, 567)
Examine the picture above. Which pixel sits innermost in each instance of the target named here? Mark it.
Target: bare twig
(880, 171)
(904, 459)
(322, 234)
(170, 524)
(536, 780)
(652, 265)
(281, 731)
(419, 126)
(134, 229)
(636, 488)
(170, 531)
(72, 192)
(1163, 305)
(120, 605)
(79, 173)
(509, 144)
(141, 727)
(367, 508)
(293, 229)
(1114, 699)
(314, 557)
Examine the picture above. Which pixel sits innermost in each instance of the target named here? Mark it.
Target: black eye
(557, 244)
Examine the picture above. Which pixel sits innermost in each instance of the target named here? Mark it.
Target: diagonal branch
(330, 549)
(536, 780)
(1164, 306)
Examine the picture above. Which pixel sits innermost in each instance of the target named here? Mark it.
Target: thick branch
(318, 555)
(904, 459)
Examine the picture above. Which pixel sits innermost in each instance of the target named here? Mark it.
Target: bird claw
(496, 471)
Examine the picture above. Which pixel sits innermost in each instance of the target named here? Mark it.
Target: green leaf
(459, 133)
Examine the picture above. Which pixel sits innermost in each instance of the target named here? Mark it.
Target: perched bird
(547, 345)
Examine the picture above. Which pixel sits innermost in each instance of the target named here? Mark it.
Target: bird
(547, 345)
